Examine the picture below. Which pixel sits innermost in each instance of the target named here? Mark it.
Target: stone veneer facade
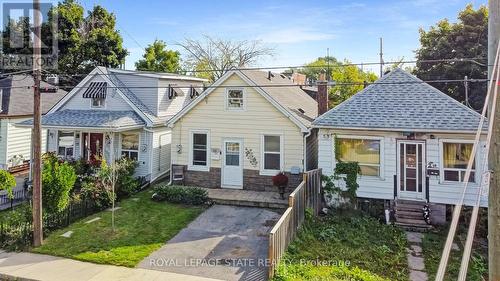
(252, 180)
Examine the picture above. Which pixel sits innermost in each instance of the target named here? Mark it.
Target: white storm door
(232, 164)
(411, 170)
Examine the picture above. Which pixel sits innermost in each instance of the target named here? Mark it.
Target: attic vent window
(96, 90)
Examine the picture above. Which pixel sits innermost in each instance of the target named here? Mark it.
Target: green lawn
(142, 227)
(355, 247)
(432, 246)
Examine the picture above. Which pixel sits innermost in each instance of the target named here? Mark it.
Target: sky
(299, 31)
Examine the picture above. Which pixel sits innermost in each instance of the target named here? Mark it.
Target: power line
(469, 60)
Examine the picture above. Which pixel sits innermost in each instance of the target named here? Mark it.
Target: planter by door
(232, 164)
(411, 169)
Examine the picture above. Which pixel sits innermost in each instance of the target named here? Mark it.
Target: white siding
(168, 106)
(383, 188)
(160, 159)
(113, 100)
(260, 117)
(19, 140)
(3, 141)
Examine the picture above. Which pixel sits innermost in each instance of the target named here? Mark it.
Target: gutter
(399, 130)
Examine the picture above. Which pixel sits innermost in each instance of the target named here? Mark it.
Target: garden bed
(142, 226)
(345, 246)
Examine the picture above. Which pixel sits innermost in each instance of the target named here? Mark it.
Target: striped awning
(96, 90)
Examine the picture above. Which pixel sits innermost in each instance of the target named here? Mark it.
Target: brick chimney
(322, 97)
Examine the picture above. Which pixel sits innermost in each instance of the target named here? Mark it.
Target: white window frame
(441, 162)
(65, 156)
(268, 172)
(128, 150)
(103, 106)
(203, 168)
(381, 165)
(243, 99)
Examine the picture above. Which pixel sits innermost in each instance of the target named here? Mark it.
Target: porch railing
(306, 195)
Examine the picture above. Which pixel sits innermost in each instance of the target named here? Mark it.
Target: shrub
(57, 179)
(126, 183)
(95, 191)
(7, 182)
(180, 194)
(16, 228)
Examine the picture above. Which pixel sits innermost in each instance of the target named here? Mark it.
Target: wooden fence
(306, 195)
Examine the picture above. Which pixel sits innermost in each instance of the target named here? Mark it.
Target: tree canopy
(467, 38)
(338, 72)
(158, 58)
(83, 42)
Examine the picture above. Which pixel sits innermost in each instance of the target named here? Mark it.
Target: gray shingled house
(412, 142)
(115, 113)
(16, 105)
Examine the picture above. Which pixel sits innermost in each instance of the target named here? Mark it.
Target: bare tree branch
(216, 55)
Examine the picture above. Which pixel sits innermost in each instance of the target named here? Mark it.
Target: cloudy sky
(300, 31)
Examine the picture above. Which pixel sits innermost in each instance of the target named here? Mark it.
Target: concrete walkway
(28, 266)
(225, 242)
(415, 258)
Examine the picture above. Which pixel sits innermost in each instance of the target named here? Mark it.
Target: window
(130, 145)
(98, 102)
(455, 159)
(199, 153)
(235, 99)
(364, 151)
(272, 154)
(66, 142)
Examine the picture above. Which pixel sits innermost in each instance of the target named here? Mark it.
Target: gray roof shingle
(90, 119)
(401, 101)
(17, 96)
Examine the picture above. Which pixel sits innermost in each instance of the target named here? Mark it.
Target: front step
(409, 215)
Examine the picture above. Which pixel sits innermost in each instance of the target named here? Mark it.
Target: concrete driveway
(224, 242)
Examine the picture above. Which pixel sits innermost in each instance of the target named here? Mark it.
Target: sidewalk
(28, 266)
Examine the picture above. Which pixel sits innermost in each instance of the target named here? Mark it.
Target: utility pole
(494, 156)
(37, 141)
(381, 59)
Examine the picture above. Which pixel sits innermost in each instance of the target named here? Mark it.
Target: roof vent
(301, 110)
(282, 75)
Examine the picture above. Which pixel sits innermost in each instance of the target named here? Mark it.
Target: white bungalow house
(16, 105)
(244, 129)
(403, 131)
(113, 113)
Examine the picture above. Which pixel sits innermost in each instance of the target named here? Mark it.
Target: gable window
(272, 154)
(65, 144)
(455, 159)
(364, 151)
(235, 99)
(130, 145)
(98, 102)
(199, 150)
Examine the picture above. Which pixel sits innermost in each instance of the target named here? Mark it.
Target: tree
(57, 180)
(214, 56)
(7, 183)
(83, 42)
(468, 38)
(157, 58)
(342, 73)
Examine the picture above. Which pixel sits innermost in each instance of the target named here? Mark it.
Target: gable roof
(400, 101)
(17, 96)
(110, 75)
(299, 107)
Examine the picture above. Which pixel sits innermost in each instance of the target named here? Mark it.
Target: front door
(411, 169)
(93, 146)
(232, 164)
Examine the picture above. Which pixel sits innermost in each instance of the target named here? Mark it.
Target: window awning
(96, 90)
